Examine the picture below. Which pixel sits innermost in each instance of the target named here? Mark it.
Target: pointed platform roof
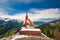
(28, 21)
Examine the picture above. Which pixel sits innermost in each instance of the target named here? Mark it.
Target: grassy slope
(51, 29)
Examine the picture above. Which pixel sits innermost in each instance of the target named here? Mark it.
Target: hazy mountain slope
(39, 23)
(6, 26)
(51, 29)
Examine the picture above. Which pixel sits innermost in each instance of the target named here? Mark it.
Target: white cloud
(21, 1)
(3, 12)
(3, 1)
(47, 13)
(35, 14)
(28, 1)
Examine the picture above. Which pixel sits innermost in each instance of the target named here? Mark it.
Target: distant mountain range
(14, 21)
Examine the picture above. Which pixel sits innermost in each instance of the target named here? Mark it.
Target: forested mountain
(51, 29)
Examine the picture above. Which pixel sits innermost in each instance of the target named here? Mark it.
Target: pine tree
(52, 35)
(48, 33)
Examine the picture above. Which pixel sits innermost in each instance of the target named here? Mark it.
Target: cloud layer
(34, 14)
(28, 1)
(22, 1)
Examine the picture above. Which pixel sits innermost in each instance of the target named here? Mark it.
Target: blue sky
(16, 9)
